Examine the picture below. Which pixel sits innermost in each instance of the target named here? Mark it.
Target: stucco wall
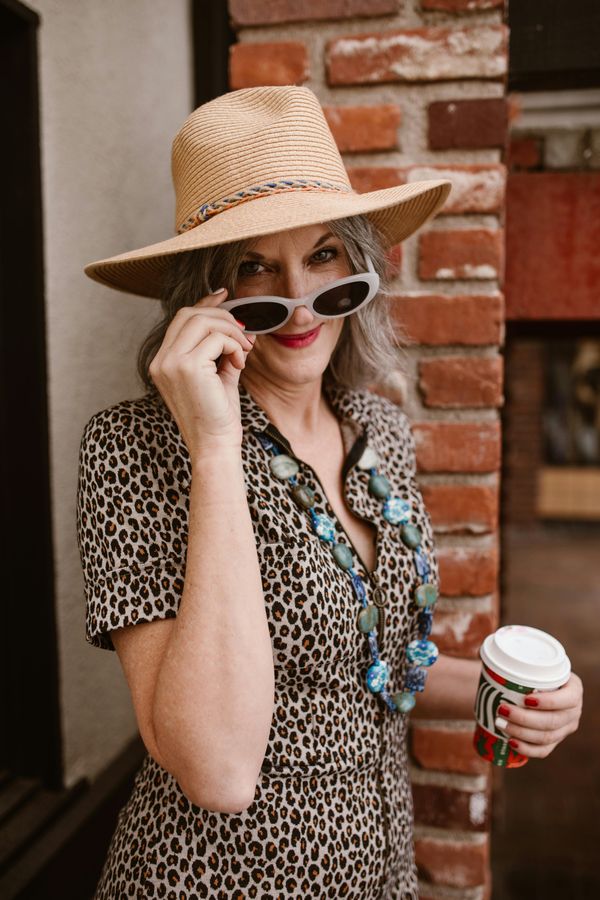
(115, 85)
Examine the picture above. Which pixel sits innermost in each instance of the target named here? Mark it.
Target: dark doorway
(545, 815)
(28, 666)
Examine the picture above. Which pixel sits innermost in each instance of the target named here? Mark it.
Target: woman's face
(292, 264)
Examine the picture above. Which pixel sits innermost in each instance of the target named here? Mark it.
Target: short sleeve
(132, 515)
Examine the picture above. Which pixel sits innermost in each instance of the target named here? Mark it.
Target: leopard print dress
(332, 813)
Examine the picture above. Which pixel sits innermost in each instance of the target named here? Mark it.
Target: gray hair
(369, 347)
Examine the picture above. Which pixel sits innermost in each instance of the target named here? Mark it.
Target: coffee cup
(516, 660)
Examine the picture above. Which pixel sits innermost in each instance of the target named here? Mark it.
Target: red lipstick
(297, 340)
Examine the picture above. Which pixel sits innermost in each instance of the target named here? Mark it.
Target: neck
(298, 411)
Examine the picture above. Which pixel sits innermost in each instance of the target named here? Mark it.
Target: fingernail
(241, 324)
(514, 744)
(504, 710)
(218, 291)
(531, 701)
(500, 724)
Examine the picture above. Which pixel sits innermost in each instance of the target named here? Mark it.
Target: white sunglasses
(331, 301)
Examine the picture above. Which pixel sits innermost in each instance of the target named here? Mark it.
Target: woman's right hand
(197, 370)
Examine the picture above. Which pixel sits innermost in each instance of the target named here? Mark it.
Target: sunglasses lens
(338, 301)
(260, 316)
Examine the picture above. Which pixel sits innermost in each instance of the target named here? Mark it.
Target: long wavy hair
(370, 345)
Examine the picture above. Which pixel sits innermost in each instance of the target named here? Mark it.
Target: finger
(213, 346)
(533, 751)
(535, 736)
(568, 695)
(537, 720)
(198, 327)
(209, 304)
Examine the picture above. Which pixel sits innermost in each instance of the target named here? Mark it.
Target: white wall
(115, 86)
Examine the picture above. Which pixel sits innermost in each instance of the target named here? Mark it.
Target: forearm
(450, 690)
(214, 696)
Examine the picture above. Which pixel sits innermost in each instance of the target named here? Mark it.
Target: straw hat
(258, 161)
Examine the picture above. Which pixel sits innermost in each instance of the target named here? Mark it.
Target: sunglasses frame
(371, 277)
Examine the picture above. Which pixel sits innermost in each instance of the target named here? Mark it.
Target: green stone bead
(342, 555)
(426, 595)
(379, 486)
(303, 495)
(368, 619)
(404, 701)
(411, 536)
(283, 466)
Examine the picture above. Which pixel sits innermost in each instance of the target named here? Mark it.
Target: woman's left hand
(541, 726)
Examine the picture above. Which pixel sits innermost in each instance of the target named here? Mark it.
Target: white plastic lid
(527, 656)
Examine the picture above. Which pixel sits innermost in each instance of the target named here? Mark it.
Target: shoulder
(140, 431)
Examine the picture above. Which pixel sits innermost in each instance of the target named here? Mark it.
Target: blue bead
(404, 701)
(425, 595)
(373, 645)
(415, 680)
(324, 527)
(396, 510)
(425, 622)
(422, 653)
(411, 535)
(359, 588)
(377, 676)
(379, 486)
(421, 563)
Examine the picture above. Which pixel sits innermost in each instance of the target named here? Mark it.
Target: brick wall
(415, 90)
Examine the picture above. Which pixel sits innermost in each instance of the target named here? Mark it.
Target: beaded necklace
(420, 653)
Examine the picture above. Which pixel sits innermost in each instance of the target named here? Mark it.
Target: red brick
(439, 806)
(461, 6)
(446, 749)
(420, 54)
(270, 12)
(524, 153)
(461, 633)
(375, 178)
(462, 508)
(252, 65)
(476, 253)
(475, 189)
(468, 124)
(459, 381)
(465, 571)
(394, 261)
(436, 320)
(364, 128)
(457, 446)
(451, 862)
(552, 238)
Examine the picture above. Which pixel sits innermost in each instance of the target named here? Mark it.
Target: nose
(298, 285)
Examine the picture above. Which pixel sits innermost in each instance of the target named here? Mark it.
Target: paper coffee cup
(517, 660)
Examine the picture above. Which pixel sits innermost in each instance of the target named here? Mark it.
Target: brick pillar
(416, 90)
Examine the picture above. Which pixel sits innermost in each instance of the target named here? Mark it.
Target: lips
(297, 340)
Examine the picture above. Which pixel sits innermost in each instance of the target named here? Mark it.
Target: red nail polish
(531, 701)
(504, 711)
(241, 324)
(514, 744)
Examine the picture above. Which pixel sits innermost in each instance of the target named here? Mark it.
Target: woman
(254, 542)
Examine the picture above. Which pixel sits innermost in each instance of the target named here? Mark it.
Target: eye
(244, 270)
(329, 250)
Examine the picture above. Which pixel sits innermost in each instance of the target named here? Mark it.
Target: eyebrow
(322, 239)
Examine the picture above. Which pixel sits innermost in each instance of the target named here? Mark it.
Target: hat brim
(396, 212)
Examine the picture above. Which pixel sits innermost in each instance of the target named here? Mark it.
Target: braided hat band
(258, 161)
